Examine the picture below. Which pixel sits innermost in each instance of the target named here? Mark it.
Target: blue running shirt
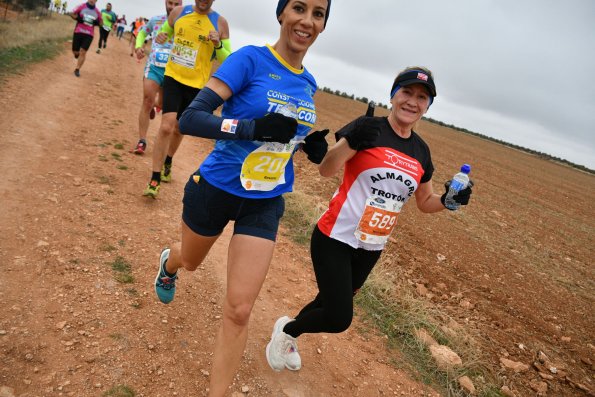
(261, 82)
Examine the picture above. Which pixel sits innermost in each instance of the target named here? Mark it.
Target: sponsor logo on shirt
(305, 110)
(400, 162)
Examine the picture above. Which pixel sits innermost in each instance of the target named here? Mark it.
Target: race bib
(88, 19)
(161, 57)
(264, 168)
(378, 220)
(107, 28)
(183, 56)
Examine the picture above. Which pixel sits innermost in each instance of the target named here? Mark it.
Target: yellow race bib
(264, 168)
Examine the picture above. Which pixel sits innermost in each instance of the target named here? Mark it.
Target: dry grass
(387, 300)
(21, 33)
(301, 214)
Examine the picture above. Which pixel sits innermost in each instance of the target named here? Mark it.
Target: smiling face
(409, 104)
(301, 23)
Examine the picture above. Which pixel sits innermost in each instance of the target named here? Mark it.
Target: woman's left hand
(462, 197)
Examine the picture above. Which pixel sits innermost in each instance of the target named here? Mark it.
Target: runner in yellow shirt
(201, 36)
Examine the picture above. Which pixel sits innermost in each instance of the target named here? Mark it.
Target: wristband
(220, 45)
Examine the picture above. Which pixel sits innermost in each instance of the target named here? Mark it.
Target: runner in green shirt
(109, 19)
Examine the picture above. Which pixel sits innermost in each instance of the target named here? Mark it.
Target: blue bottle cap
(466, 168)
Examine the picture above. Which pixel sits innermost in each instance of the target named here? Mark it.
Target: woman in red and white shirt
(385, 163)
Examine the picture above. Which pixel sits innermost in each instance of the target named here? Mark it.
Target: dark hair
(282, 3)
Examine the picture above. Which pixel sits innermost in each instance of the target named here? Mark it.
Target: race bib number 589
(378, 220)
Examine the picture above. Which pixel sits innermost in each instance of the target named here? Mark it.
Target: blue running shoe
(165, 286)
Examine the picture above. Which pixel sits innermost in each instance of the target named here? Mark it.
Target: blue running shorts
(154, 73)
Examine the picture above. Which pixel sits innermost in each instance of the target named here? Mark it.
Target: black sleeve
(198, 120)
(427, 163)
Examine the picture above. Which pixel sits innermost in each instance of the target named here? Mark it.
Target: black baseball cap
(414, 77)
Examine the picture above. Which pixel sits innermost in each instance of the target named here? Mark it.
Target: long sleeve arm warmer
(223, 52)
(165, 28)
(198, 120)
(140, 38)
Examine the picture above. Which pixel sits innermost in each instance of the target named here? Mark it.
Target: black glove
(462, 197)
(364, 133)
(96, 22)
(275, 127)
(79, 18)
(315, 146)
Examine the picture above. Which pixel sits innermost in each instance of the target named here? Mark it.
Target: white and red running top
(377, 181)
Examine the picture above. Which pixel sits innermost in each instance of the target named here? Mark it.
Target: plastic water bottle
(458, 183)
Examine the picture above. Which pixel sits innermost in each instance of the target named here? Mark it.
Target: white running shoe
(282, 350)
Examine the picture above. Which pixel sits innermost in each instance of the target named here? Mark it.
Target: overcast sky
(517, 70)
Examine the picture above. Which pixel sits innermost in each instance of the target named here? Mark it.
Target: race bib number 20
(264, 168)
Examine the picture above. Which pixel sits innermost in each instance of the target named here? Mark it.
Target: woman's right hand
(365, 133)
(275, 127)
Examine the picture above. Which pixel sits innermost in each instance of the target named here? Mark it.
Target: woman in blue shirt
(268, 109)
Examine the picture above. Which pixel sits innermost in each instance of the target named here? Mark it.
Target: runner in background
(109, 19)
(136, 25)
(121, 27)
(132, 26)
(87, 16)
(154, 71)
(200, 37)
(385, 163)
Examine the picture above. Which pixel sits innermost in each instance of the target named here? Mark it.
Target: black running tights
(103, 35)
(340, 272)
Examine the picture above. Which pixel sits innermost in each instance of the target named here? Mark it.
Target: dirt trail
(71, 205)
